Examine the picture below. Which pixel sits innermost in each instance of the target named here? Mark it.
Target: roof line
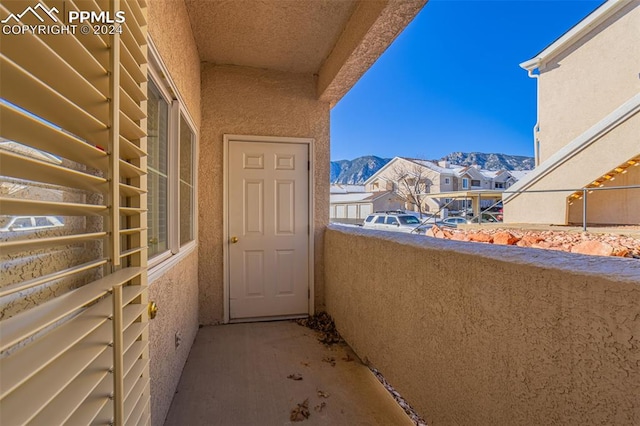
(366, 182)
(575, 33)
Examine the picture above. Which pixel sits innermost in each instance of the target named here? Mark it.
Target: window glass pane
(22, 265)
(409, 220)
(186, 182)
(157, 146)
(157, 213)
(186, 152)
(186, 208)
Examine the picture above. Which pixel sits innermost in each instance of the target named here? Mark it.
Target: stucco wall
(176, 294)
(587, 82)
(170, 30)
(477, 334)
(600, 157)
(250, 101)
(176, 291)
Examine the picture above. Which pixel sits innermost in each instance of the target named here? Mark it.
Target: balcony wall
(478, 334)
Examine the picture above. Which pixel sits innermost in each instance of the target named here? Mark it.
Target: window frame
(194, 168)
(179, 111)
(465, 183)
(158, 74)
(167, 97)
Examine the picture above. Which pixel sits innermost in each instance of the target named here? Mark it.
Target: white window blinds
(73, 299)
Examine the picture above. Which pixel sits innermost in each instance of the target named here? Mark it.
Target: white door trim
(225, 215)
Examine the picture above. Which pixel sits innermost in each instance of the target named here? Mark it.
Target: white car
(454, 221)
(395, 221)
(31, 223)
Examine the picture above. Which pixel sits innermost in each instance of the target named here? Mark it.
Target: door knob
(234, 240)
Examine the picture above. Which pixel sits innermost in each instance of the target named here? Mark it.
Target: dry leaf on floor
(323, 394)
(323, 323)
(301, 412)
(320, 406)
(294, 377)
(329, 359)
(348, 358)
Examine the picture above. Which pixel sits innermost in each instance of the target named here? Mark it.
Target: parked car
(395, 221)
(31, 223)
(454, 221)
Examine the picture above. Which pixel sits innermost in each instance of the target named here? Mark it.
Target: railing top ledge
(620, 269)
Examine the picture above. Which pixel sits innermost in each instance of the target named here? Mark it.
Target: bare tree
(411, 184)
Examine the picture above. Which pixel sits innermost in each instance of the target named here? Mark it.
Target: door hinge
(308, 293)
(308, 165)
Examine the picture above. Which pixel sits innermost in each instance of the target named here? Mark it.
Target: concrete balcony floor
(237, 375)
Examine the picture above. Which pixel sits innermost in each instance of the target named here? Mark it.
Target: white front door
(268, 228)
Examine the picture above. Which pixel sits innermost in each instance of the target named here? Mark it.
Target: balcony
(467, 333)
(483, 335)
(258, 373)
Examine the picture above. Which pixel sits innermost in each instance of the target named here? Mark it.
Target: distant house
(503, 179)
(351, 204)
(588, 129)
(426, 178)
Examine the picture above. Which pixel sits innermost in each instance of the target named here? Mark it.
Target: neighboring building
(337, 188)
(588, 129)
(196, 149)
(351, 204)
(425, 178)
(503, 179)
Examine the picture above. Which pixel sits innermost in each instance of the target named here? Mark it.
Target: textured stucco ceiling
(286, 35)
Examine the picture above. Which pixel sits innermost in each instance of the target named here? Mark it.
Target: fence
(579, 194)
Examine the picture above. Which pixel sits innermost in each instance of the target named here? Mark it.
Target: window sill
(161, 268)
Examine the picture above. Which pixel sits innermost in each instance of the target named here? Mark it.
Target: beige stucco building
(420, 181)
(588, 129)
(163, 104)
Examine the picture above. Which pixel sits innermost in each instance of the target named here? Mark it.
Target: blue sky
(452, 82)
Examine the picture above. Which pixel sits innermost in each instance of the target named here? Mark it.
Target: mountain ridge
(358, 170)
